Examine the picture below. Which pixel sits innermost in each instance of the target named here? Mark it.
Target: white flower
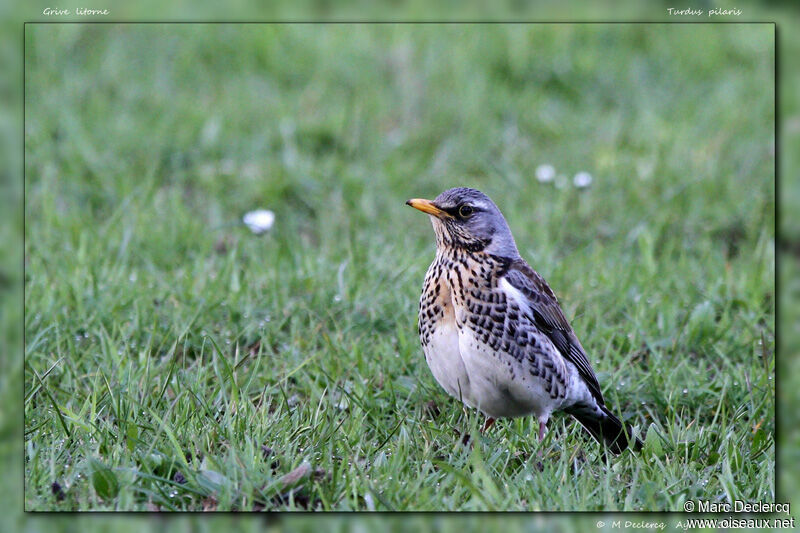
(545, 173)
(582, 180)
(259, 220)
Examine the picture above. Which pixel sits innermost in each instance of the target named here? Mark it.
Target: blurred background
(354, 118)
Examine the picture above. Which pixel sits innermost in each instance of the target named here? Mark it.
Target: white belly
(470, 372)
(499, 385)
(444, 359)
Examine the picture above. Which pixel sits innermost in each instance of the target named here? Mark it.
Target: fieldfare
(493, 333)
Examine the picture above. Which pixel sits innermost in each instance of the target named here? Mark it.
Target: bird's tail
(608, 430)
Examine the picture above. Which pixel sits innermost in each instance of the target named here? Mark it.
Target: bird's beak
(426, 206)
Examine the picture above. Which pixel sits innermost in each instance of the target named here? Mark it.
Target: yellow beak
(426, 206)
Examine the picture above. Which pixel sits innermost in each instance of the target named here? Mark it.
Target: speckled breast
(438, 333)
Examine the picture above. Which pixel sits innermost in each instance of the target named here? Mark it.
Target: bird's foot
(466, 438)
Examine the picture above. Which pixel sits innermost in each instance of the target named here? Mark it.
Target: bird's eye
(464, 211)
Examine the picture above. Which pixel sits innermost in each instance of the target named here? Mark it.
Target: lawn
(176, 361)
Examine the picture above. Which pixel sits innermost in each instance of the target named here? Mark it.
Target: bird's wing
(550, 319)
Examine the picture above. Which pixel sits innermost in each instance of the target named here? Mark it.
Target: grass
(174, 361)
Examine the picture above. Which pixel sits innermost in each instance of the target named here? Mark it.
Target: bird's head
(467, 219)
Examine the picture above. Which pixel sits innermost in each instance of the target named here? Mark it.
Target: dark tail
(608, 430)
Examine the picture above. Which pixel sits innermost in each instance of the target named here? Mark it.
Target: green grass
(167, 347)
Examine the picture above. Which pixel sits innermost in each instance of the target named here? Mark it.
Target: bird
(492, 331)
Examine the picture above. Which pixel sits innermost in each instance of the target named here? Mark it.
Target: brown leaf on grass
(296, 476)
(209, 504)
(291, 487)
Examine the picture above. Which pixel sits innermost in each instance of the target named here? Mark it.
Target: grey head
(467, 219)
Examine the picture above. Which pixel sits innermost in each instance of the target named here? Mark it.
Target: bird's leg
(542, 427)
(466, 438)
(489, 423)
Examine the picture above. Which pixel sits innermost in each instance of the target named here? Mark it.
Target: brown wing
(550, 319)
